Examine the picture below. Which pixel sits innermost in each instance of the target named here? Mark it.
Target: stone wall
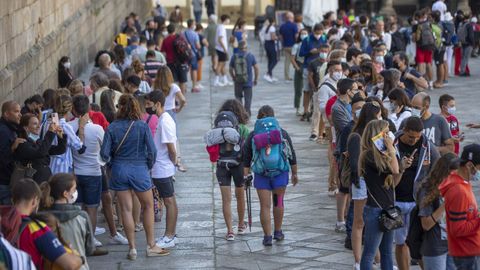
(34, 35)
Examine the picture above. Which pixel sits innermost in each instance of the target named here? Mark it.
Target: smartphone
(413, 153)
(55, 118)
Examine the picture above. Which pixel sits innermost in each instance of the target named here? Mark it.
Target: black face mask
(151, 110)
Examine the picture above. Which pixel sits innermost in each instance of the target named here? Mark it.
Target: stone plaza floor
(311, 241)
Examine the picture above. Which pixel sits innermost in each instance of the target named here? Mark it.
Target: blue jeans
(5, 195)
(467, 263)
(271, 55)
(401, 233)
(375, 239)
(89, 190)
(198, 16)
(441, 262)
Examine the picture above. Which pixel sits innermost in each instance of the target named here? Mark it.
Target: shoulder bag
(390, 218)
(124, 137)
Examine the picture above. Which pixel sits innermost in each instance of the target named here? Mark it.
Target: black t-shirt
(314, 67)
(375, 184)
(404, 189)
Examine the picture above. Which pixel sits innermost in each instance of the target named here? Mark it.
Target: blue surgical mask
(323, 55)
(33, 137)
(416, 112)
(357, 113)
(451, 110)
(337, 76)
(380, 59)
(303, 36)
(476, 176)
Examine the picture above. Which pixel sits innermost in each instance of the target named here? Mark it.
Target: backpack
(268, 147)
(399, 42)
(12, 224)
(241, 68)
(425, 37)
(415, 234)
(437, 33)
(462, 33)
(230, 155)
(448, 33)
(183, 53)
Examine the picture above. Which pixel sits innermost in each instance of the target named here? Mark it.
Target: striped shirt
(151, 67)
(63, 163)
(13, 258)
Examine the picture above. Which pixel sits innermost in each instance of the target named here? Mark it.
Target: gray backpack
(240, 67)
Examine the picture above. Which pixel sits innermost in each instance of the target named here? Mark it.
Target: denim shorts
(89, 190)
(361, 192)
(440, 262)
(270, 183)
(194, 62)
(472, 262)
(401, 233)
(126, 176)
(164, 186)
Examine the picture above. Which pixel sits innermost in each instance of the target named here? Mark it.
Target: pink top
(152, 123)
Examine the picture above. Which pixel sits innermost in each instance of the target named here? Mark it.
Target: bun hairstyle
(63, 104)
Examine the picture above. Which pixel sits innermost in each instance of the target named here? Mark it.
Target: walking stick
(248, 184)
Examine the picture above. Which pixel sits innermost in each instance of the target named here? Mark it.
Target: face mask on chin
(151, 110)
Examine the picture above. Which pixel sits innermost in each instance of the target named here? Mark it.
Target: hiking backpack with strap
(268, 147)
(425, 37)
(240, 67)
(230, 155)
(183, 53)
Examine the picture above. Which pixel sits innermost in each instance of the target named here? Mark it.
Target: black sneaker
(267, 240)
(313, 137)
(348, 243)
(278, 235)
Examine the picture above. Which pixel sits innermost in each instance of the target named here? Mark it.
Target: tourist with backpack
(425, 42)
(243, 66)
(430, 224)
(269, 155)
(225, 143)
(463, 221)
(466, 37)
(33, 236)
(178, 55)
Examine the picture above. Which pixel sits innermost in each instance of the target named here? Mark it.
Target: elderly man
(104, 64)
(98, 84)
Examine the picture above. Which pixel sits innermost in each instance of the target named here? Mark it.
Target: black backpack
(399, 42)
(230, 155)
(415, 234)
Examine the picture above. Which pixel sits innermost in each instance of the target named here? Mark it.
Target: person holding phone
(418, 154)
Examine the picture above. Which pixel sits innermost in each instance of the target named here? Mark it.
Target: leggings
(271, 55)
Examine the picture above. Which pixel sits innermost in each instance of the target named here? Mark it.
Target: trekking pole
(248, 192)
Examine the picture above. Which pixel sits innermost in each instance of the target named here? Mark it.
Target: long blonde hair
(381, 160)
(163, 80)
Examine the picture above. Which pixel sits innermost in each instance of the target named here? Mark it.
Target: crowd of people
(396, 169)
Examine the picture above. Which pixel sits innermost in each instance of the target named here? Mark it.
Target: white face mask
(164, 33)
(323, 55)
(379, 59)
(34, 137)
(451, 110)
(416, 112)
(357, 114)
(303, 36)
(343, 60)
(337, 76)
(74, 197)
(67, 64)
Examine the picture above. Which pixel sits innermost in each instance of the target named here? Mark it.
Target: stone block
(26, 17)
(3, 56)
(11, 50)
(3, 8)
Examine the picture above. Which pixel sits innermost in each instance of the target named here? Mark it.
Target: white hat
(448, 17)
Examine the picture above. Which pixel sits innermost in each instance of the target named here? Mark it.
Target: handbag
(124, 137)
(390, 218)
(21, 171)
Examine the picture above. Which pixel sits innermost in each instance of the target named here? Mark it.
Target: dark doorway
(293, 5)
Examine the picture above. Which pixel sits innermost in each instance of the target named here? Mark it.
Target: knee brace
(278, 200)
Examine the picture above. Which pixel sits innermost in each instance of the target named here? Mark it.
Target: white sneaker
(218, 84)
(229, 83)
(340, 227)
(274, 79)
(99, 230)
(97, 243)
(118, 239)
(356, 266)
(200, 86)
(166, 242)
(267, 78)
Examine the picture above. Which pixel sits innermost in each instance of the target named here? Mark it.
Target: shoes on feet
(348, 243)
(132, 254)
(332, 193)
(99, 230)
(166, 242)
(267, 240)
(230, 236)
(278, 235)
(313, 137)
(138, 227)
(97, 243)
(242, 229)
(157, 251)
(340, 227)
(118, 239)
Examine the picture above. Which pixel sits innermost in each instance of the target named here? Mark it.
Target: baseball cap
(471, 153)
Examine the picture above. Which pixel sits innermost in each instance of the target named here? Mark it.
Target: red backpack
(183, 53)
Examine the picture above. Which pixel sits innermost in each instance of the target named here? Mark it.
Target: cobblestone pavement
(311, 241)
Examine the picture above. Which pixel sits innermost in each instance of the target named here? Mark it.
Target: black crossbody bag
(390, 218)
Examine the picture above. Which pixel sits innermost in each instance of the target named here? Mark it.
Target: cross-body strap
(375, 200)
(124, 137)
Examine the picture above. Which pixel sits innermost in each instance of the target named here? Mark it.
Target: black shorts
(164, 186)
(222, 57)
(179, 72)
(224, 176)
(438, 56)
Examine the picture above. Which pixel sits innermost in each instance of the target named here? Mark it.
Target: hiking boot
(267, 240)
(278, 235)
(132, 254)
(118, 239)
(157, 251)
(348, 243)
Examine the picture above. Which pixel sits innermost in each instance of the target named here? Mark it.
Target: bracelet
(434, 220)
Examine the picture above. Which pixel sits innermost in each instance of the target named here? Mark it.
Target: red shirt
(167, 48)
(454, 129)
(99, 119)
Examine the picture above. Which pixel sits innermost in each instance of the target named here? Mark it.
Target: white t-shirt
(170, 99)
(268, 34)
(221, 32)
(440, 6)
(165, 133)
(88, 163)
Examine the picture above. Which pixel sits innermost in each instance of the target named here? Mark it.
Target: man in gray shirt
(342, 110)
(436, 128)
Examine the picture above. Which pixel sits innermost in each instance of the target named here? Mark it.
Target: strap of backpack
(329, 85)
(24, 225)
(149, 118)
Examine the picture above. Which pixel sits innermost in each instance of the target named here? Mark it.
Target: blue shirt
(192, 38)
(308, 44)
(288, 31)
(251, 61)
(239, 36)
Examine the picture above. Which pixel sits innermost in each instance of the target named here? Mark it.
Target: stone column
(463, 5)
(387, 8)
